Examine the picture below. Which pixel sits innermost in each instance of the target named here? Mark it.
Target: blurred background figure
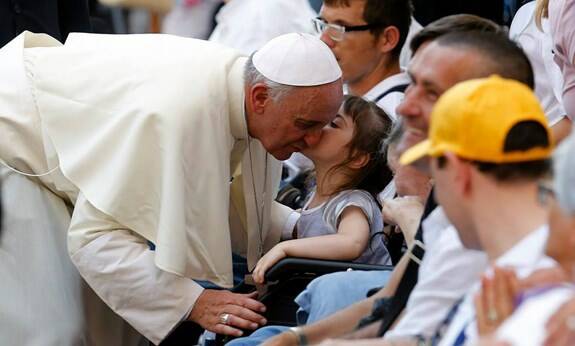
(562, 27)
(247, 24)
(530, 28)
(191, 18)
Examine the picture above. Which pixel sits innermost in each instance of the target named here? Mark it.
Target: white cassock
(142, 134)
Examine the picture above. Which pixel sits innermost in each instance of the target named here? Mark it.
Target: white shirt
(526, 327)
(525, 257)
(246, 25)
(390, 101)
(538, 46)
(447, 271)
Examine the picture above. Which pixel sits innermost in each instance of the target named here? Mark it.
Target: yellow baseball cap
(473, 118)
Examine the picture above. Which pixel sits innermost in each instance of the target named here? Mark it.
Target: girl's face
(332, 147)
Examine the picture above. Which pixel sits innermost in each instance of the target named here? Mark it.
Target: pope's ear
(258, 97)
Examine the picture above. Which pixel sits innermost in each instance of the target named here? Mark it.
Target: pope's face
(295, 122)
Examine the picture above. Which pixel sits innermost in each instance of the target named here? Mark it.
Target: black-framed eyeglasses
(336, 31)
(545, 192)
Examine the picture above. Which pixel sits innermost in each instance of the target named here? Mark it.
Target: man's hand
(244, 312)
(267, 261)
(561, 326)
(495, 302)
(543, 277)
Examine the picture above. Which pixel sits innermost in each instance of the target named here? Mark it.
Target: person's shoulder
(348, 198)
(522, 19)
(394, 83)
(526, 10)
(355, 195)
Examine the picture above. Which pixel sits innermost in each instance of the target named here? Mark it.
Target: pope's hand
(267, 261)
(224, 312)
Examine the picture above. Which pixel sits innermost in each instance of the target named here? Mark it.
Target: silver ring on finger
(225, 318)
(492, 315)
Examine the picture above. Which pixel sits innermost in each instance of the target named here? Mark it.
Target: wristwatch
(301, 338)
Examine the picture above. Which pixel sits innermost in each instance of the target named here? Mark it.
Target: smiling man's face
(433, 70)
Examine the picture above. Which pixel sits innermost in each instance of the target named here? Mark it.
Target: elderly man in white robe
(151, 155)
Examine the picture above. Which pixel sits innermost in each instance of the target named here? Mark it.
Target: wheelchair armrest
(292, 265)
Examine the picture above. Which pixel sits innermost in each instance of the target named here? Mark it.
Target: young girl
(342, 220)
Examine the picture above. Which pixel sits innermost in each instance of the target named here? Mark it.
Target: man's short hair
(502, 56)
(451, 24)
(523, 136)
(382, 14)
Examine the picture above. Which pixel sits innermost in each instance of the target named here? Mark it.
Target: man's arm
(562, 129)
(119, 266)
(346, 320)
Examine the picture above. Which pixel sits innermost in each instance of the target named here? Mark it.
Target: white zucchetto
(297, 59)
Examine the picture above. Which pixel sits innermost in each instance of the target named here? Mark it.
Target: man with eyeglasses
(367, 38)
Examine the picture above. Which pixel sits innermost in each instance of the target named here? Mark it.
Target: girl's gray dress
(324, 219)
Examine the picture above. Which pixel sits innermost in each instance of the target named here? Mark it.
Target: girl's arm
(348, 243)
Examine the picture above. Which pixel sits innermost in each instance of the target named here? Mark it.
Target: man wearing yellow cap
(489, 143)
(130, 147)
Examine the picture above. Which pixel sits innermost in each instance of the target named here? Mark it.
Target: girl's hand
(267, 261)
(495, 302)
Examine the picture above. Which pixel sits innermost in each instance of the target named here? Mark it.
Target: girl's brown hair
(371, 127)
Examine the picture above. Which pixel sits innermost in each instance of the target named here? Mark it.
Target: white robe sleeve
(119, 266)
(284, 219)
